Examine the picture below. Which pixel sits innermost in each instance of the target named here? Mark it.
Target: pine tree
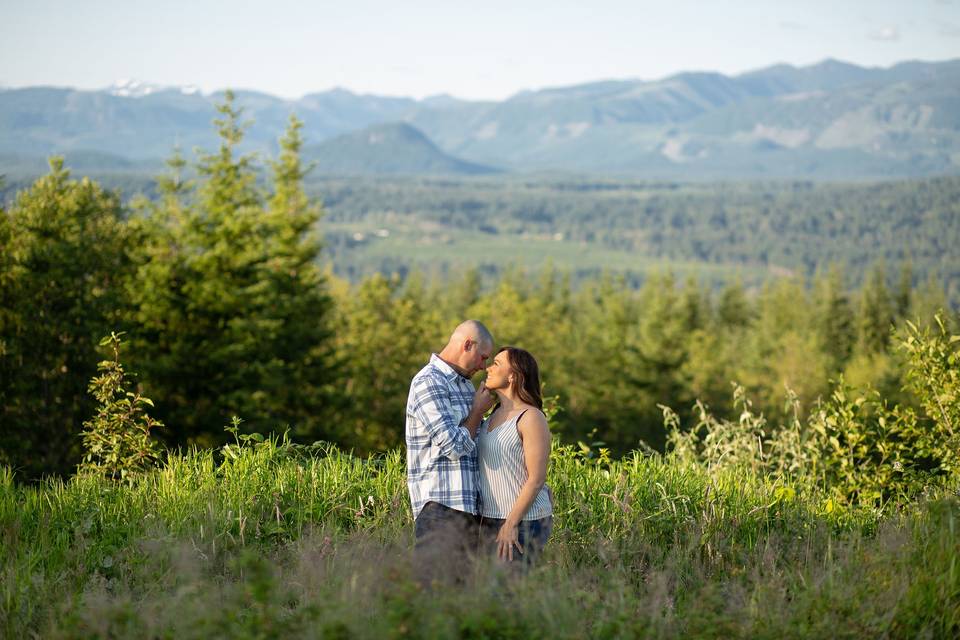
(834, 322)
(231, 314)
(300, 385)
(876, 313)
(783, 350)
(903, 297)
(927, 301)
(733, 309)
(62, 260)
(381, 345)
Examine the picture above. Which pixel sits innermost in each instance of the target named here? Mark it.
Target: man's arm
(432, 408)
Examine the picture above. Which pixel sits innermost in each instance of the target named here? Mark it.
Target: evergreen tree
(230, 309)
(694, 305)
(783, 350)
(63, 254)
(876, 313)
(927, 301)
(733, 310)
(604, 374)
(381, 343)
(666, 317)
(835, 324)
(902, 298)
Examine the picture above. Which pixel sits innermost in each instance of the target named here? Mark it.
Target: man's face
(476, 355)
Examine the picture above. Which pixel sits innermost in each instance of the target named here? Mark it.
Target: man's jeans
(446, 543)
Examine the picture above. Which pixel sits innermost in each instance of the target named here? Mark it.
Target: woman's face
(498, 373)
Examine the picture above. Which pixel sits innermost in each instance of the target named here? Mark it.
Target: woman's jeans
(531, 534)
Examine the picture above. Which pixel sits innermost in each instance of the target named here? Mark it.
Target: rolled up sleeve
(435, 412)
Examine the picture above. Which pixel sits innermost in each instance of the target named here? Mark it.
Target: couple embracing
(477, 485)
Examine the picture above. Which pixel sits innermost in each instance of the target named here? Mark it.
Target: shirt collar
(447, 370)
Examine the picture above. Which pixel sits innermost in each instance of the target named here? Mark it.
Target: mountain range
(832, 120)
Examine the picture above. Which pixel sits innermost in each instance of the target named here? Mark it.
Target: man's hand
(483, 400)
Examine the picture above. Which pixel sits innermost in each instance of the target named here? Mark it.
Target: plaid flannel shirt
(441, 455)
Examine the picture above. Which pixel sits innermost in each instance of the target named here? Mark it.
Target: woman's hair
(526, 376)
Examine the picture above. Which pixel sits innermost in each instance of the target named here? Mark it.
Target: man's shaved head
(469, 347)
(473, 330)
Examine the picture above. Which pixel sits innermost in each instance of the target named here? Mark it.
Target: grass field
(429, 247)
(273, 540)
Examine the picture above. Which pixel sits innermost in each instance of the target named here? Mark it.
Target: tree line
(758, 226)
(226, 309)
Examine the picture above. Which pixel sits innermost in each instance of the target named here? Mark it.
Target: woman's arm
(535, 436)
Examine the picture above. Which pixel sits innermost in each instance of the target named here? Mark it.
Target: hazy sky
(415, 48)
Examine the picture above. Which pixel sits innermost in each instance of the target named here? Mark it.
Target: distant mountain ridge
(394, 148)
(829, 120)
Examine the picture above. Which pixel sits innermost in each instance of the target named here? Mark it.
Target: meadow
(267, 539)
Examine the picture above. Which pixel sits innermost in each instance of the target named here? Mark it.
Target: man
(443, 413)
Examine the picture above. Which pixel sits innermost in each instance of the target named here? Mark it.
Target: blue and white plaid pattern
(441, 455)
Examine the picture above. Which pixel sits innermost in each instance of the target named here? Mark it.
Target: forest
(229, 303)
(716, 231)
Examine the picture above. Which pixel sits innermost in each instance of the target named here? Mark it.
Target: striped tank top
(503, 472)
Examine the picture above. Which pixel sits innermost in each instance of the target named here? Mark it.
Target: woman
(514, 447)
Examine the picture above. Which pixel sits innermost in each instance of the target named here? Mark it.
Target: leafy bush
(934, 377)
(117, 440)
(854, 444)
(866, 451)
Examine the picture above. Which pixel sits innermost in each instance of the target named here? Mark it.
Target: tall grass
(271, 539)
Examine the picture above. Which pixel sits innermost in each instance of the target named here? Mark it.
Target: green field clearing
(435, 246)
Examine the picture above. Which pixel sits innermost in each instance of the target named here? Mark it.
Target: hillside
(395, 148)
(826, 121)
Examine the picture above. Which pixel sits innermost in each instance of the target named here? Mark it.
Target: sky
(473, 50)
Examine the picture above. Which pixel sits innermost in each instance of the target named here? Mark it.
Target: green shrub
(934, 377)
(116, 441)
(853, 443)
(867, 453)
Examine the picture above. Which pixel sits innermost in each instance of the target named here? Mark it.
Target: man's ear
(468, 344)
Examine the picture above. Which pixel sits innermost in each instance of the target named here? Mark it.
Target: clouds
(887, 33)
(950, 30)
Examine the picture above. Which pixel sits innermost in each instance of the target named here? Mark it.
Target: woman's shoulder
(531, 415)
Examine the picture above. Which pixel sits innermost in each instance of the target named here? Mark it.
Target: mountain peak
(388, 148)
(832, 64)
(133, 88)
(440, 100)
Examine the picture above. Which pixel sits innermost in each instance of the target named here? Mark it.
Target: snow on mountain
(132, 88)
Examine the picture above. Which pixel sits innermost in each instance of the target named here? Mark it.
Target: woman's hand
(507, 539)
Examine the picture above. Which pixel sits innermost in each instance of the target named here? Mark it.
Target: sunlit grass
(274, 540)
